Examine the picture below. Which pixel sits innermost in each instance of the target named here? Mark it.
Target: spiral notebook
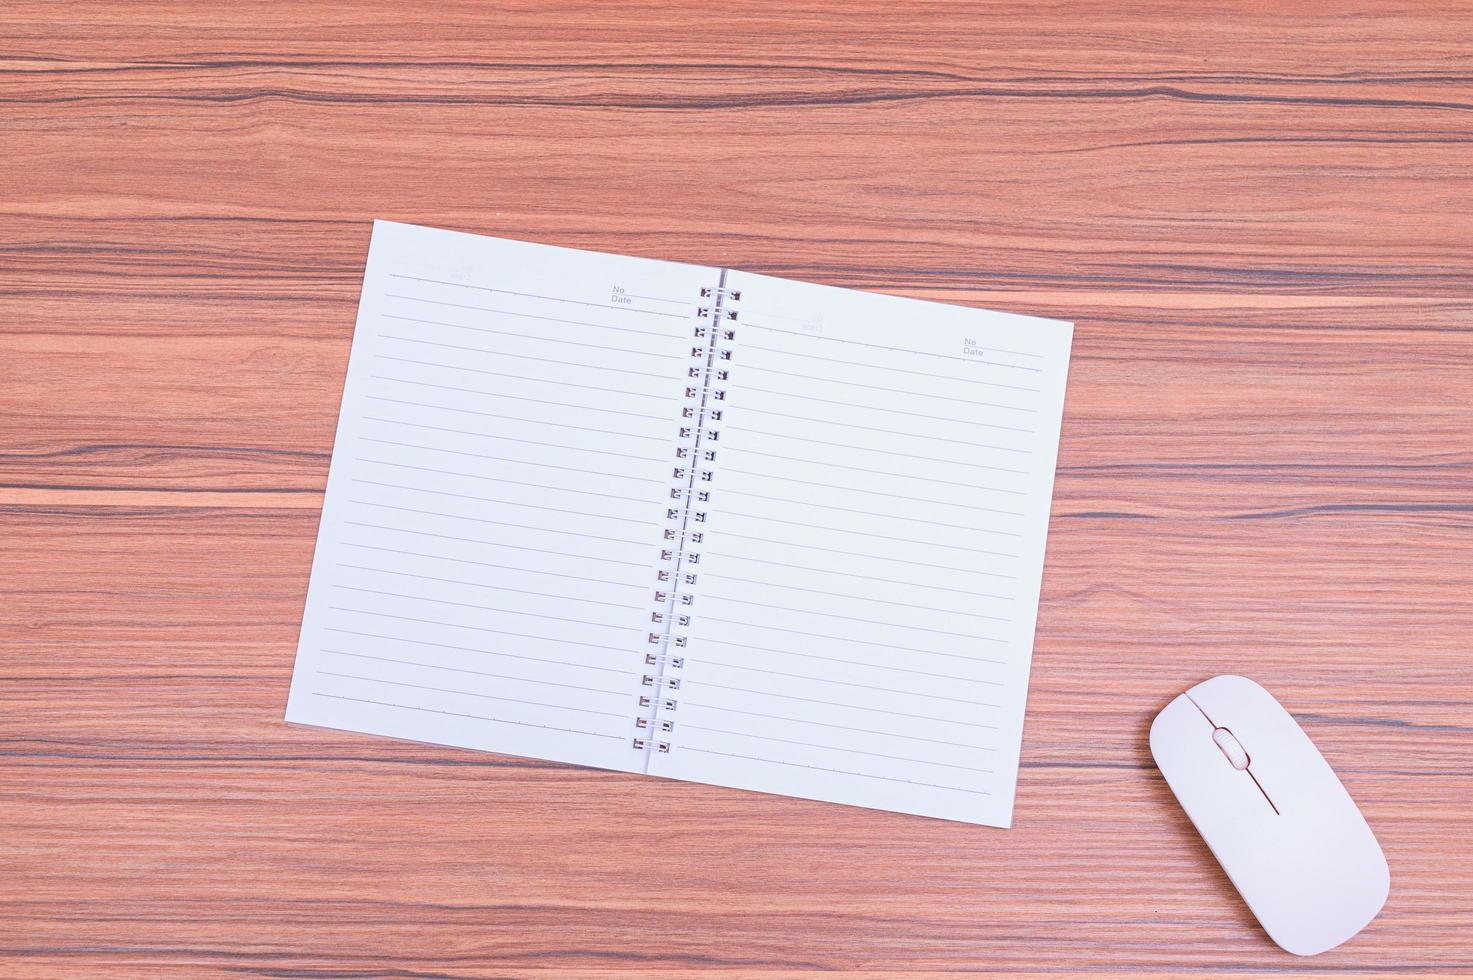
(685, 521)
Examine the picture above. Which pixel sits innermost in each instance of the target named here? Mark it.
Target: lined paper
(685, 521)
(496, 503)
(870, 567)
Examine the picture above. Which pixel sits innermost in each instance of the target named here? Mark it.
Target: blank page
(869, 572)
(494, 515)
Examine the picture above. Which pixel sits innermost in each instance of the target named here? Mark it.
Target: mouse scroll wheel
(1231, 748)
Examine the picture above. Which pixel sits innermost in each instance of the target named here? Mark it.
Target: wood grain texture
(1258, 214)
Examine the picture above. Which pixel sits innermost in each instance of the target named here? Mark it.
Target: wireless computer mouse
(1273, 812)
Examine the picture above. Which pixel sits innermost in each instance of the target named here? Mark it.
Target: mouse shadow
(1185, 832)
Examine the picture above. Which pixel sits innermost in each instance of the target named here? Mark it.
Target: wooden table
(1259, 219)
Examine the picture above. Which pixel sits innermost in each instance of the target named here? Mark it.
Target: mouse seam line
(1270, 799)
(1249, 769)
(1200, 711)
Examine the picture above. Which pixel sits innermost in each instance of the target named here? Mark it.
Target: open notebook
(685, 521)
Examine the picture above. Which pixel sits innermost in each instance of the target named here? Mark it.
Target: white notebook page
(495, 508)
(870, 566)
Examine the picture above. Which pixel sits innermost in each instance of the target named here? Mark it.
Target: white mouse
(1273, 812)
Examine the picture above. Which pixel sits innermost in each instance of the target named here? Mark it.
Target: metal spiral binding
(689, 490)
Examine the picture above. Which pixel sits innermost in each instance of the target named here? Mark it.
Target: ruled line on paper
(544, 338)
(860, 598)
(501, 544)
(531, 401)
(478, 629)
(507, 418)
(839, 704)
(894, 391)
(859, 469)
(482, 650)
(868, 534)
(515, 377)
(473, 605)
(893, 349)
(874, 513)
(748, 322)
(478, 673)
(707, 661)
(505, 503)
(492, 435)
(877, 493)
(496, 588)
(497, 479)
(872, 622)
(509, 568)
(842, 728)
(859, 663)
(462, 714)
(890, 367)
(473, 694)
(528, 316)
(554, 299)
(535, 401)
(838, 748)
(530, 357)
(842, 772)
(487, 520)
(892, 432)
(859, 554)
(729, 556)
(850, 639)
(871, 449)
(661, 299)
(506, 459)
